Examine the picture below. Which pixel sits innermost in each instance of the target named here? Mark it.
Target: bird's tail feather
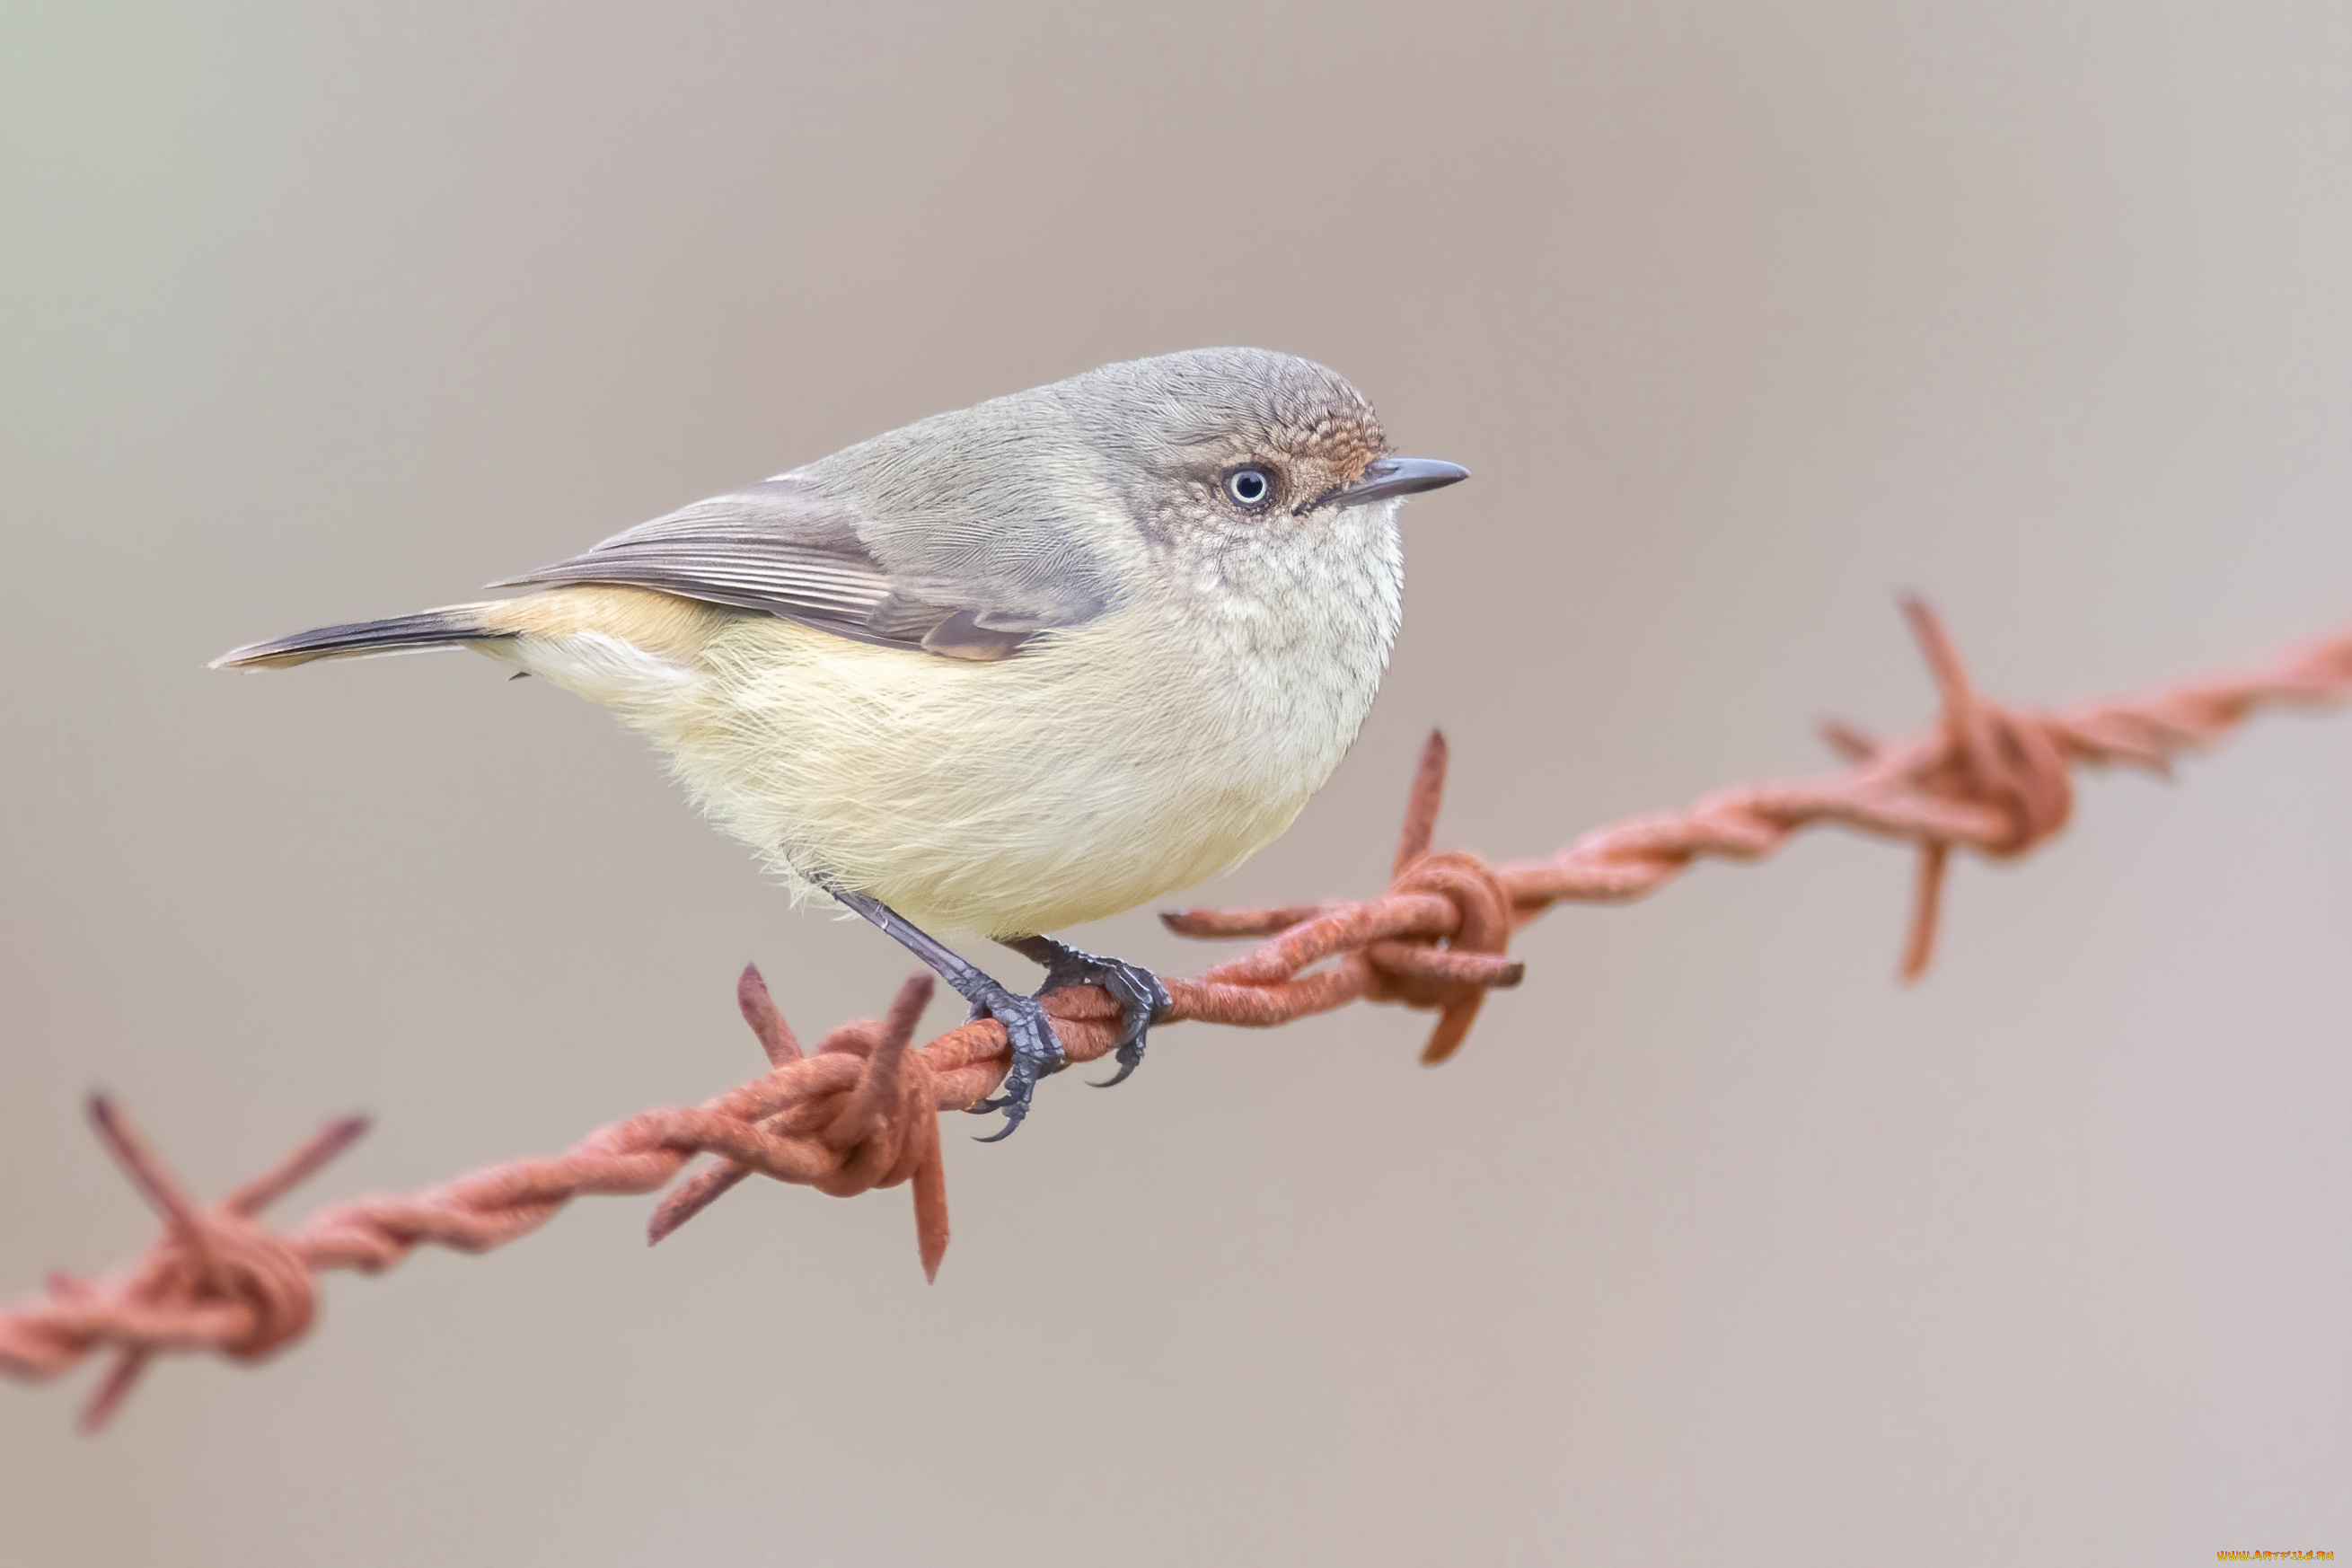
(451, 627)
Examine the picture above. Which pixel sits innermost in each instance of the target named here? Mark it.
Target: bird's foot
(1035, 1053)
(1143, 1000)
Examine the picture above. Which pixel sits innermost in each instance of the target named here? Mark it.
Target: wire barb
(861, 1112)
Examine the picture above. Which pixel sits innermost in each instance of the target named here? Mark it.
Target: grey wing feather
(777, 546)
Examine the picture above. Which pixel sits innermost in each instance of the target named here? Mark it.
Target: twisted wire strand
(861, 1111)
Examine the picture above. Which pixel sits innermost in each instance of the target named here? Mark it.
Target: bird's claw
(1143, 1000)
(1036, 1054)
(1130, 1056)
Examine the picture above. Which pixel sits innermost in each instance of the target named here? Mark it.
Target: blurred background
(1715, 1244)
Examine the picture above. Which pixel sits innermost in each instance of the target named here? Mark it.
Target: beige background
(1714, 1246)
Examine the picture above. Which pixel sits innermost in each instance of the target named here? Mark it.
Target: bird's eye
(1250, 487)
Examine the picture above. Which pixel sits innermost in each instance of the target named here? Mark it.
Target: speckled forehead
(1315, 425)
(1347, 437)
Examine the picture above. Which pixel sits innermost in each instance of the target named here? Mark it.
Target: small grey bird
(1009, 668)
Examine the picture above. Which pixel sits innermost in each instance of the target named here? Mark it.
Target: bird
(1004, 669)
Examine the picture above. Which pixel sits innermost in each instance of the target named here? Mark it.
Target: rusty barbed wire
(861, 1112)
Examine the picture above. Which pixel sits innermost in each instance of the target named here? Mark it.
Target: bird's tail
(453, 626)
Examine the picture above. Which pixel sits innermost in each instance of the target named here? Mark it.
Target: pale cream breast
(1092, 772)
(1100, 767)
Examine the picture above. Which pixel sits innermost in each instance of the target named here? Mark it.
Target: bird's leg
(1143, 1000)
(1035, 1051)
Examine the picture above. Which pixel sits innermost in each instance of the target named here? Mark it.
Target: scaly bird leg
(1143, 1000)
(1035, 1051)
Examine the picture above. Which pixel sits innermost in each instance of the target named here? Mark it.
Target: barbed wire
(861, 1112)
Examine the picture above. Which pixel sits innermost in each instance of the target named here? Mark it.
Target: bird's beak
(1400, 477)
